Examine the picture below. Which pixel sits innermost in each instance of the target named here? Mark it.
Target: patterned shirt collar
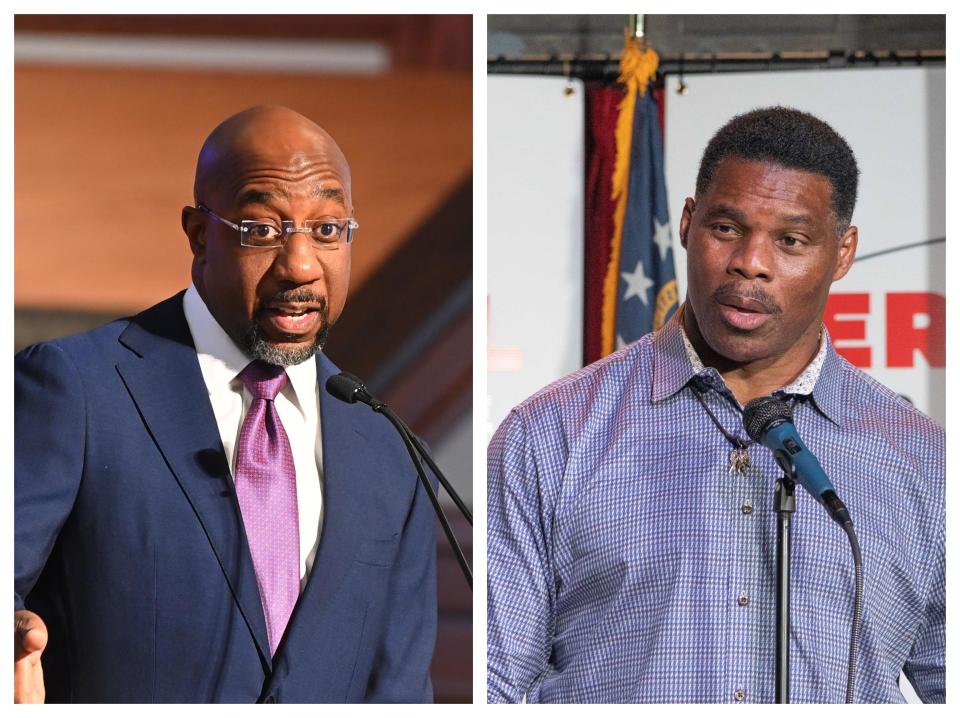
(676, 363)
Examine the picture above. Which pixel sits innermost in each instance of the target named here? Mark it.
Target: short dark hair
(790, 138)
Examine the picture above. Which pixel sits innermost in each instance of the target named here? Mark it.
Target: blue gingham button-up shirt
(627, 563)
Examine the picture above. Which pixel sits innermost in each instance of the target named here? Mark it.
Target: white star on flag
(662, 238)
(637, 283)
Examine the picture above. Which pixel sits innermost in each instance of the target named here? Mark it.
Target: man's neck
(752, 379)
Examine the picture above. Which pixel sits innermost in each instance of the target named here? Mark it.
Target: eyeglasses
(326, 232)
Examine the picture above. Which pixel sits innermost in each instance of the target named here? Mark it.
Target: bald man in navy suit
(142, 574)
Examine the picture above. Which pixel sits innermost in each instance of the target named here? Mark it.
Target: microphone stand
(761, 416)
(786, 504)
(425, 455)
(350, 389)
(410, 442)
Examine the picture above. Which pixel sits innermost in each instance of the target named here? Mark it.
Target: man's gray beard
(256, 346)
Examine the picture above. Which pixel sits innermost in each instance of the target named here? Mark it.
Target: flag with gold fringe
(640, 287)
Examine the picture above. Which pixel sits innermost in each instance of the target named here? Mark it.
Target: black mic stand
(786, 504)
(412, 447)
(346, 387)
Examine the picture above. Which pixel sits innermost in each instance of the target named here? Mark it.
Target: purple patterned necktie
(266, 483)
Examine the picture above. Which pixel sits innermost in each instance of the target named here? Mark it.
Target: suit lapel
(163, 377)
(346, 461)
(349, 462)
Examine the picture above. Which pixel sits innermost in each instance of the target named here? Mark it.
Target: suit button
(270, 699)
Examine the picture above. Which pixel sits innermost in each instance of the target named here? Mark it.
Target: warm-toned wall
(104, 161)
(423, 41)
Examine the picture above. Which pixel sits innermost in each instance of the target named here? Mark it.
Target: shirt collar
(672, 368)
(829, 387)
(676, 363)
(221, 359)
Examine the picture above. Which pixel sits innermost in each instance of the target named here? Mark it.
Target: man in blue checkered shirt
(631, 527)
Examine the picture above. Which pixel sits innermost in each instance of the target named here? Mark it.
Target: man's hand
(29, 640)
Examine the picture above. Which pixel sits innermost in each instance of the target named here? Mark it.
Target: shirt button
(747, 507)
(743, 600)
(739, 694)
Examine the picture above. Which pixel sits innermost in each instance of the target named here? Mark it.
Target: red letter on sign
(848, 329)
(903, 337)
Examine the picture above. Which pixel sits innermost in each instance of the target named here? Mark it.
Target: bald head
(264, 141)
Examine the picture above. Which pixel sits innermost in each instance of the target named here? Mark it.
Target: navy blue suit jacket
(130, 545)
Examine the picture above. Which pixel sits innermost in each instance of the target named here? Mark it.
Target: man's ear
(847, 253)
(194, 225)
(685, 216)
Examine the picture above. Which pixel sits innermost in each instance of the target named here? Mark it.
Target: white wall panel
(534, 238)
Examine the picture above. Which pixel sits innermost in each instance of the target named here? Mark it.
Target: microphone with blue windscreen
(769, 421)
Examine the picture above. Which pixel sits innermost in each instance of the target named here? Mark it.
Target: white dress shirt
(298, 406)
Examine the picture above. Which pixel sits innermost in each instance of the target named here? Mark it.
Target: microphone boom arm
(409, 443)
(350, 389)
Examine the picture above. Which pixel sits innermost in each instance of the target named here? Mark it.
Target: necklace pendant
(739, 459)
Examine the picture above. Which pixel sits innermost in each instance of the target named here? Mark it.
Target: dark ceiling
(514, 36)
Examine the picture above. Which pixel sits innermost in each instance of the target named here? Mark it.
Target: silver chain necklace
(739, 455)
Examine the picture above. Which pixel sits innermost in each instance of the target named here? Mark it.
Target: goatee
(256, 345)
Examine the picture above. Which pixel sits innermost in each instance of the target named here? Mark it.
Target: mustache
(733, 290)
(301, 294)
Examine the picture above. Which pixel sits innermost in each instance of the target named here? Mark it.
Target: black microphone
(351, 389)
(769, 421)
